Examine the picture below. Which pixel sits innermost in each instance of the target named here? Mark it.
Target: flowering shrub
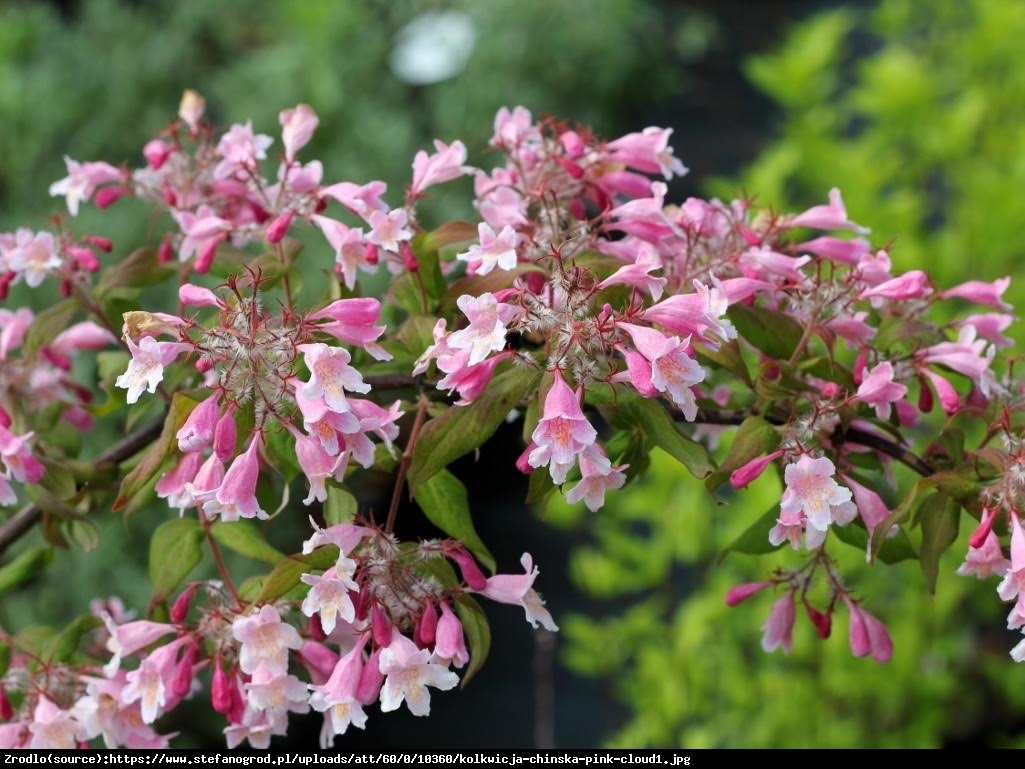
(606, 319)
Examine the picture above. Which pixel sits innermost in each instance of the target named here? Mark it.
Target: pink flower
(124, 640)
(198, 431)
(297, 127)
(450, 646)
(982, 293)
(486, 333)
(749, 472)
(673, 371)
(493, 250)
(16, 455)
(765, 263)
(389, 230)
(846, 251)
(518, 589)
(779, 627)
(639, 274)
(330, 376)
(353, 321)
(910, 285)
(361, 200)
(150, 683)
(240, 149)
(648, 151)
(276, 694)
(597, 476)
(350, 248)
(698, 314)
(443, 166)
(317, 465)
(949, 399)
(985, 561)
(740, 593)
(34, 257)
(266, 640)
(336, 698)
(146, 368)
(879, 390)
(345, 536)
(14, 325)
(563, 431)
(408, 672)
(968, 355)
(82, 181)
(53, 728)
(236, 496)
(204, 232)
(989, 326)
(1013, 584)
(82, 336)
(868, 635)
(512, 128)
(329, 594)
(197, 296)
(812, 490)
(831, 217)
(870, 506)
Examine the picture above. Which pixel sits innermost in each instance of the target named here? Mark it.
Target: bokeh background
(915, 109)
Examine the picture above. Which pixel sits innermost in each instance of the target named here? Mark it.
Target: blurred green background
(916, 115)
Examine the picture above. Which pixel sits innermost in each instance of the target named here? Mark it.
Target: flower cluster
(380, 624)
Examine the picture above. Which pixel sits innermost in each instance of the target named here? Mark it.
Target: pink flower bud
(823, 622)
(207, 253)
(180, 607)
(316, 628)
(181, 684)
(372, 255)
(318, 659)
(981, 533)
(197, 296)
(451, 644)
(5, 283)
(408, 257)
(84, 258)
(169, 195)
(427, 626)
(740, 593)
(742, 476)
(237, 711)
(573, 169)
(535, 281)
(5, 418)
(65, 288)
(780, 625)
(108, 196)
(950, 401)
(101, 243)
(165, 254)
(472, 574)
(859, 366)
(156, 153)
(226, 435)
(910, 285)
(868, 635)
(381, 626)
(924, 396)
(220, 689)
(203, 365)
(523, 461)
(277, 229)
(573, 144)
(198, 430)
(59, 361)
(830, 390)
(6, 710)
(370, 679)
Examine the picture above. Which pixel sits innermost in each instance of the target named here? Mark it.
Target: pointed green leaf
(46, 325)
(244, 537)
(773, 332)
(893, 550)
(139, 269)
(658, 427)
(340, 506)
(443, 500)
(940, 519)
(461, 429)
(61, 647)
(175, 549)
(902, 513)
(25, 566)
(755, 438)
(755, 538)
(478, 633)
(286, 575)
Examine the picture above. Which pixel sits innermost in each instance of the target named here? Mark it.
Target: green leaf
(478, 633)
(540, 486)
(5, 658)
(651, 418)
(46, 325)
(175, 550)
(443, 500)
(728, 356)
(428, 266)
(755, 438)
(61, 647)
(901, 513)
(461, 429)
(160, 450)
(84, 534)
(755, 538)
(244, 537)
(279, 449)
(139, 269)
(940, 519)
(24, 567)
(286, 575)
(339, 507)
(771, 331)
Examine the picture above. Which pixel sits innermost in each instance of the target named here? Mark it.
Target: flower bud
(180, 607)
(226, 435)
(381, 626)
(750, 472)
(181, 684)
(165, 254)
(370, 680)
(207, 253)
(427, 627)
(101, 243)
(6, 709)
(740, 593)
(823, 622)
(108, 196)
(408, 257)
(220, 689)
(277, 229)
(472, 574)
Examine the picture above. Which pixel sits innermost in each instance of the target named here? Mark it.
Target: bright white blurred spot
(433, 47)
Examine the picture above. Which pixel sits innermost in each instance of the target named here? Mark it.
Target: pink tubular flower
(444, 166)
(353, 321)
(240, 149)
(493, 250)
(350, 248)
(265, 640)
(81, 182)
(563, 431)
(518, 589)
(673, 371)
(870, 505)
(749, 472)
(317, 465)
(297, 127)
(16, 455)
(986, 560)
(737, 595)
(486, 333)
(830, 217)
(408, 672)
(389, 230)
(868, 635)
(236, 496)
(53, 728)
(330, 376)
(982, 293)
(336, 697)
(470, 381)
(812, 490)
(450, 646)
(82, 336)
(203, 231)
(329, 594)
(150, 683)
(125, 640)
(597, 476)
(647, 151)
(779, 627)
(698, 314)
(197, 296)
(879, 390)
(846, 251)
(34, 257)
(910, 285)
(198, 431)
(146, 368)
(1013, 584)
